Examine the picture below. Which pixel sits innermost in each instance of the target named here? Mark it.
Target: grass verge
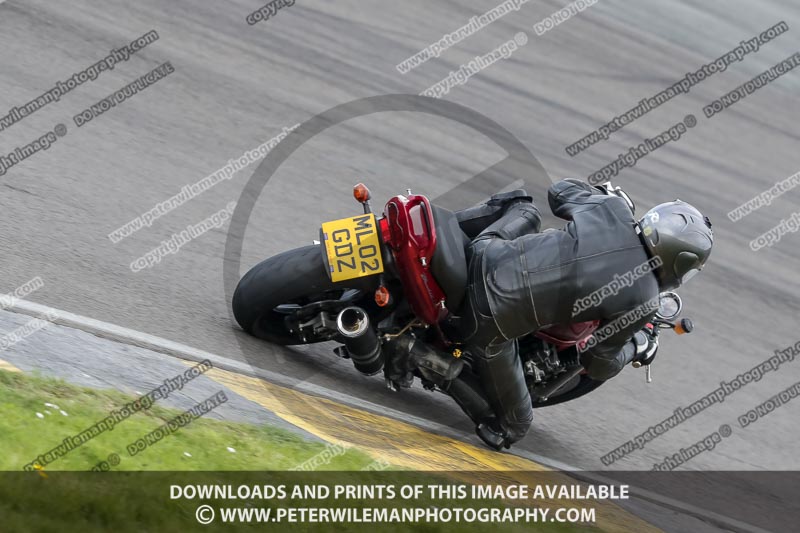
(204, 444)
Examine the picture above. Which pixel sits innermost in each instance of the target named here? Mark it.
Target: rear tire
(297, 276)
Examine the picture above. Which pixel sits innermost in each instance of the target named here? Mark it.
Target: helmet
(681, 237)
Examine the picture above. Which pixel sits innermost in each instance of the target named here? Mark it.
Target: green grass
(24, 436)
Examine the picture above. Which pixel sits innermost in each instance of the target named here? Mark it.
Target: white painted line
(8, 367)
(182, 351)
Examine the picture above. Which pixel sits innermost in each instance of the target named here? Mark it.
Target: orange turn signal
(361, 193)
(684, 326)
(382, 296)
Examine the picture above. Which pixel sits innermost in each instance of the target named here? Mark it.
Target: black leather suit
(521, 280)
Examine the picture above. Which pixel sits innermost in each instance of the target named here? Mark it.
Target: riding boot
(519, 219)
(468, 393)
(474, 220)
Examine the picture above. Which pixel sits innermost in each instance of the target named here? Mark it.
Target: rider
(521, 280)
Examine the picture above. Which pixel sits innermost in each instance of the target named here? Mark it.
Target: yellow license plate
(353, 247)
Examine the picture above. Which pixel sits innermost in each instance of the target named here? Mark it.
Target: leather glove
(646, 344)
(610, 190)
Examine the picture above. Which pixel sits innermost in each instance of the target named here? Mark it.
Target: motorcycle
(379, 284)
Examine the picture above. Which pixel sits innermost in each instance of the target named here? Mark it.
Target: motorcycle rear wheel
(275, 287)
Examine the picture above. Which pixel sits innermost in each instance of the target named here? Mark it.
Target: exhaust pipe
(361, 340)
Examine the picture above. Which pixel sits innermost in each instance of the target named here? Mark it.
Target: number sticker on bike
(352, 247)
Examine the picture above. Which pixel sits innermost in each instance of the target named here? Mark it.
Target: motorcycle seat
(449, 262)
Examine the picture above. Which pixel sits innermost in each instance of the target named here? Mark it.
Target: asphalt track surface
(235, 86)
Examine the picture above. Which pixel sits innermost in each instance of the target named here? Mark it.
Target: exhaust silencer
(361, 340)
